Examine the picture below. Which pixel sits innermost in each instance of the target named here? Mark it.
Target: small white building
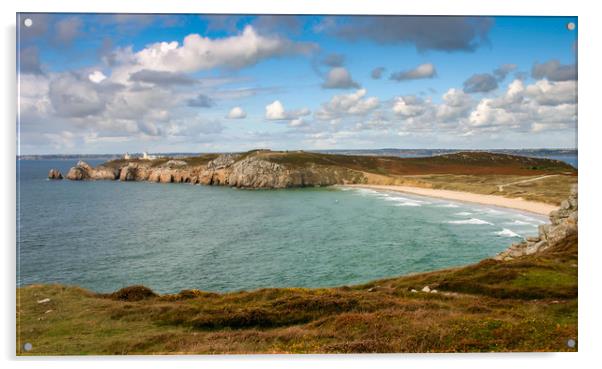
(146, 156)
(127, 156)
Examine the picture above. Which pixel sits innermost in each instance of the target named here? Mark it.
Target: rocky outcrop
(83, 170)
(234, 170)
(563, 224)
(55, 174)
(80, 171)
(102, 172)
(128, 173)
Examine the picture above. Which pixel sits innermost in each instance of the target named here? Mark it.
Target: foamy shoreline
(505, 202)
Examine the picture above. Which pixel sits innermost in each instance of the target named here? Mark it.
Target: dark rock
(55, 174)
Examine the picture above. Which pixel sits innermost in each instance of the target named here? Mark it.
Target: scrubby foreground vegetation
(527, 304)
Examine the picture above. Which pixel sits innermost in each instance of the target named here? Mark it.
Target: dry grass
(529, 304)
(549, 190)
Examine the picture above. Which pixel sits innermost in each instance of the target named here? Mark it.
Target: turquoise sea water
(104, 235)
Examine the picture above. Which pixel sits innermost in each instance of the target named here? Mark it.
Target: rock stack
(55, 174)
(563, 223)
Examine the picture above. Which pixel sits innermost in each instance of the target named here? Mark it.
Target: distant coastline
(402, 153)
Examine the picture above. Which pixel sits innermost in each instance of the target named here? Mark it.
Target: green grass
(528, 304)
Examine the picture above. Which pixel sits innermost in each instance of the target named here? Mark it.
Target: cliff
(274, 169)
(563, 225)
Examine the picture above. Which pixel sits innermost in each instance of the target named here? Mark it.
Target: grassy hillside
(529, 304)
(458, 163)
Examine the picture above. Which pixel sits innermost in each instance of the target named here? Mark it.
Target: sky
(115, 83)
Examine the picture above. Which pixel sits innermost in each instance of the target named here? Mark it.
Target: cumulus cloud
(409, 106)
(97, 76)
(456, 104)
(236, 113)
(377, 72)
(34, 100)
(448, 34)
(502, 71)
(354, 104)
(199, 53)
(422, 71)
(201, 101)
(541, 106)
(276, 111)
(162, 78)
(72, 97)
(545, 92)
(339, 78)
(484, 82)
(554, 71)
(487, 113)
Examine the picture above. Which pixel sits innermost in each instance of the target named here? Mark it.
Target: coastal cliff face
(235, 170)
(283, 169)
(563, 225)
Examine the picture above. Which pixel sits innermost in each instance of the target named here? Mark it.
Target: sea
(105, 235)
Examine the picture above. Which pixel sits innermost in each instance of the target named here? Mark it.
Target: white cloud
(276, 111)
(456, 103)
(199, 53)
(541, 106)
(354, 104)
(97, 76)
(236, 113)
(33, 96)
(553, 93)
(409, 106)
(486, 113)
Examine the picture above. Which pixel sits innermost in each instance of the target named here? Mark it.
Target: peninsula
(534, 184)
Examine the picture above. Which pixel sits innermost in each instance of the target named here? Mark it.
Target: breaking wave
(470, 221)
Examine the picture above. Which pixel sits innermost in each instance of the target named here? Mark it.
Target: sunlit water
(104, 235)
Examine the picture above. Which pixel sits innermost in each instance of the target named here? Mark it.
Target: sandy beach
(513, 203)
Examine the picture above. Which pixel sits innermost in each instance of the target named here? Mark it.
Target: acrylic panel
(244, 184)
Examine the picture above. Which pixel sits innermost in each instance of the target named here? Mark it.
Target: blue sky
(172, 83)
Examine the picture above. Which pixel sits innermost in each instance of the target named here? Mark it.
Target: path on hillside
(501, 187)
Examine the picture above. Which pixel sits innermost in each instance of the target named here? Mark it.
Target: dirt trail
(501, 187)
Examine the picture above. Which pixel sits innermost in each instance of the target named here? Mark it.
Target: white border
(589, 180)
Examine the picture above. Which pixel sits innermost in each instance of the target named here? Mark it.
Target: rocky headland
(562, 226)
(274, 169)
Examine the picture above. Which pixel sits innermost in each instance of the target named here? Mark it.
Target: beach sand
(513, 203)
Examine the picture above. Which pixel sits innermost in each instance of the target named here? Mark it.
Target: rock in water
(80, 171)
(55, 174)
(76, 174)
